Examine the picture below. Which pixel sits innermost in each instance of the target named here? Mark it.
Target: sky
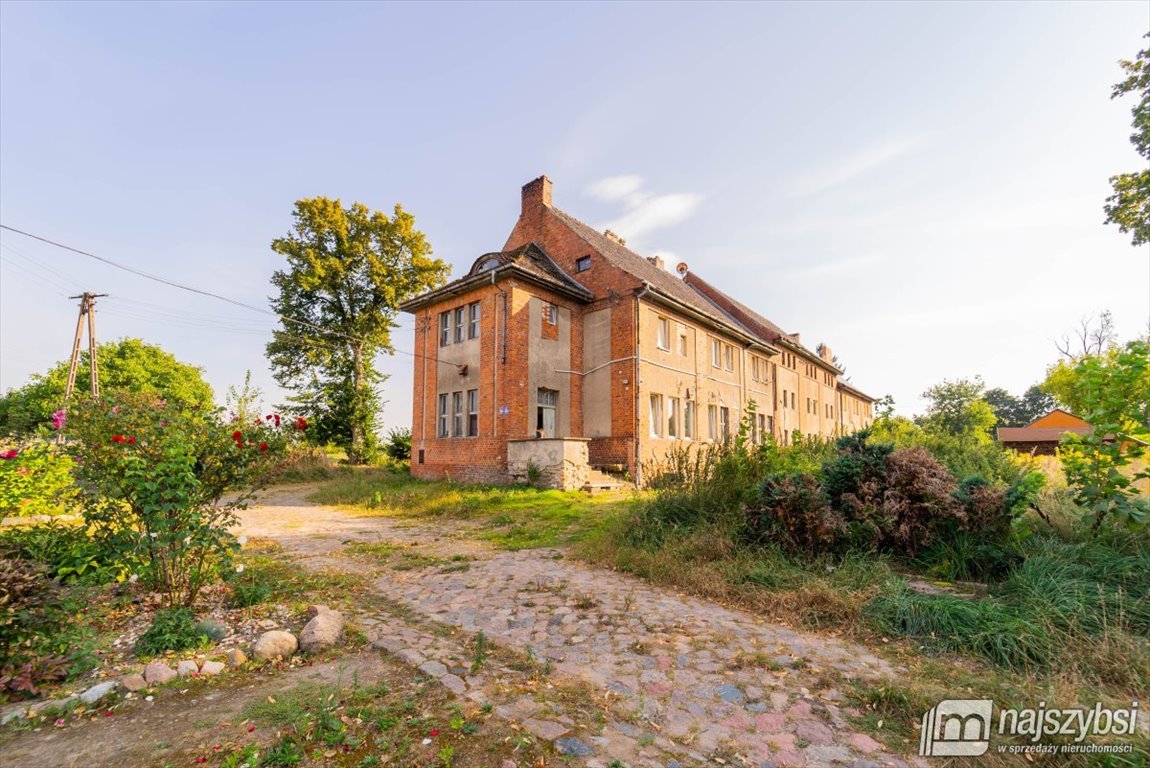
(919, 185)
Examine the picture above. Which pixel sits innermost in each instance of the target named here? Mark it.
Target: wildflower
(108, 713)
(237, 436)
(240, 568)
(119, 439)
(59, 722)
(268, 417)
(300, 423)
(58, 418)
(10, 454)
(134, 578)
(201, 759)
(131, 441)
(263, 446)
(277, 418)
(251, 728)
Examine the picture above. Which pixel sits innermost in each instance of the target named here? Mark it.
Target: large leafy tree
(1129, 205)
(347, 271)
(127, 365)
(1011, 411)
(958, 408)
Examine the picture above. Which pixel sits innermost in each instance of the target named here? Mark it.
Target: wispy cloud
(644, 212)
(847, 168)
(839, 266)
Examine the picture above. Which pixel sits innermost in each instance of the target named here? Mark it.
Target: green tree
(958, 408)
(1011, 411)
(1129, 205)
(1113, 392)
(127, 365)
(347, 271)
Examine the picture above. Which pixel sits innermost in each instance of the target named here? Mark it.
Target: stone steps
(599, 482)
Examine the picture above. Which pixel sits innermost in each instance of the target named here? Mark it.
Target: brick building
(567, 348)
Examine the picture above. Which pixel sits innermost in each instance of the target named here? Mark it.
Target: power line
(174, 284)
(234, 302)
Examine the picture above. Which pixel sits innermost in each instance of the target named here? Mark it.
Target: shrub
(29, 603)
(248, 590)
(35, 479)
(172, 629)
(67, 549)
(155, 478)
(793, 511)
(398, 445)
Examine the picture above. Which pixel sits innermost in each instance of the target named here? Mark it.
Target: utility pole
(87, 309)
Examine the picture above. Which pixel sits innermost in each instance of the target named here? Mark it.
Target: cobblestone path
(678, 681)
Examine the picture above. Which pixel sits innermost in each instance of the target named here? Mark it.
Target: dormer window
(487, 264)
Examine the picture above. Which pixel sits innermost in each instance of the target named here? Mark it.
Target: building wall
(1058, 418)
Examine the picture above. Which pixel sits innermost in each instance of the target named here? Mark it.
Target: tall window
(459, 325)
(473, 413)
(716, 353)
(444, 328)
(547, 402)
(729, 357)
(689, 420)
(673, 417)
(663, 333)
(793, 401)
(725, 422)
(762, 418)
(656, 415)
(712, 422)
(473, 320)
(551, 314)
(457, 414)
(682, 341)
(443, 416)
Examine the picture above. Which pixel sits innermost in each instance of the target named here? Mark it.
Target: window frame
(725, 422)
(550, 313)
(473, 315)
(583, 263)
(445, 328)
(716, 353)
(457, 414)
(459, 320)
(442, 431)
(673, 408)
(689, 420)
(473, 413)
(663, 333)
(655, 416)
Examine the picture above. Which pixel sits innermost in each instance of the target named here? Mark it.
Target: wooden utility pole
(87, 309)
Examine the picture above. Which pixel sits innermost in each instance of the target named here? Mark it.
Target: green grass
(510, 517)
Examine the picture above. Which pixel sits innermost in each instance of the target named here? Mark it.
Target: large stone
(211, 668)
(187, 668)
(237, 658)
(97, 692)
(158, 673)
(322, 631)
(134, 682)
(276, 644)
(573, 747)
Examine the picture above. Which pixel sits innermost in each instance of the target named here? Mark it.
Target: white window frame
(663, 333)
(444, 328)
(473, 320)
(656, 416)
(457, 414)
(673, 428)
(716, 353)
(459, 318)
(712, 422)
(443, 432)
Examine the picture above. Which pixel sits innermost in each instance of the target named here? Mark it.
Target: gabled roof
(1037, 434)
(527, 261)
(622, 257)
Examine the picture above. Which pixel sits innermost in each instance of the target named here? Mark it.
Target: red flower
(268, 417)
(119, 439)
(300, 423)
(434, 732)
(263, 446)
(251, 728)
(277, 418)
(131, 441)
(237, 436)
(9, 454)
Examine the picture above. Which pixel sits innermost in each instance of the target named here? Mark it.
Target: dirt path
(676, 680)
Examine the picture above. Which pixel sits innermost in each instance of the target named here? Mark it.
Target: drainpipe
(423, 382)
(638, 366)
(497, 339)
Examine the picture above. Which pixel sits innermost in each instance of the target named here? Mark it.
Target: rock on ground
(237, 658)
(322, 631)
(187, 668)
(158, 673)
(134, 682)
(97, 692)
(211, 668)
(276, 644)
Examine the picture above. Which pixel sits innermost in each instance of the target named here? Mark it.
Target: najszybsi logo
(961, 727)
(956, 727)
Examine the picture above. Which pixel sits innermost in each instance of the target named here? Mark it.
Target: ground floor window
(689, 420)
(673, 417)
(547, 403)
(473, 413)
(656, 416)
(443, 416)
(712, 422)
(725, 422)
(457, 414)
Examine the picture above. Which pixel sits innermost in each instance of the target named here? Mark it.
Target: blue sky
(918, 185)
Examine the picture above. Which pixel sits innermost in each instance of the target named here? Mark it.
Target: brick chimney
(612, 236)
(825, 352)
(657, 261)
(536, 193)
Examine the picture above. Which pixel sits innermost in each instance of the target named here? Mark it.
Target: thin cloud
(837, 267)
(644, 212)
(844, 170)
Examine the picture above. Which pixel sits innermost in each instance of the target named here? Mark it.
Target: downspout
(497, 339)
(423, 383)
(638, 366)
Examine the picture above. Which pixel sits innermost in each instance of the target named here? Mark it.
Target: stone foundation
(557, 462)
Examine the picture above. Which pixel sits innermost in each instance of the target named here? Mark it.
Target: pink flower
(59, 418)
(9, 454)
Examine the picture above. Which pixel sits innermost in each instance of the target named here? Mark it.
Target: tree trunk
(355, 454)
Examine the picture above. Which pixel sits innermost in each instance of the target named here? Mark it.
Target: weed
(480, 656)
(172, 629)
